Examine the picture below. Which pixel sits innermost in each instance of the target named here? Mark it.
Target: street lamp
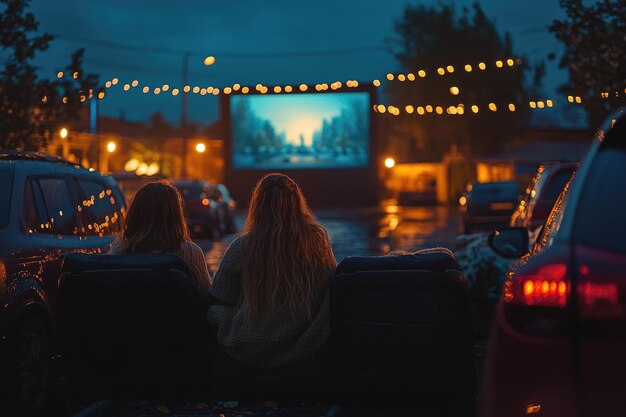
(63, 133)
(111, 147)
(389, 163)
(200, 147)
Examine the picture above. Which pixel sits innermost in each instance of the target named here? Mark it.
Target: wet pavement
(370, 231)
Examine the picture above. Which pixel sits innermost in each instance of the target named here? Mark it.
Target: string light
(482, 66)
(454, 91)
(376, 83)
(450, 69)
(421, 73)
(441, 71)
(468, 68)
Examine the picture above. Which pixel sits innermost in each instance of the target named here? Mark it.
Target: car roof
(32, 156)
(37, 163)
(495, 184)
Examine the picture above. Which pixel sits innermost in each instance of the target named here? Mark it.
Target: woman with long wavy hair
(271, 295)
(155, 223)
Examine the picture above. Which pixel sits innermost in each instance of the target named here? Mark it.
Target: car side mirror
(510, 242)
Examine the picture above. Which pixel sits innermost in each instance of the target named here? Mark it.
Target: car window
(6, 185)
(553, 223)
(600, 218)
(557, 182)
(57, 199)
(101, 208)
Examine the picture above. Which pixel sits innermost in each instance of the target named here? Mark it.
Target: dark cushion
(159, 262)
(433, 262)
(132, 326)
(401, 325)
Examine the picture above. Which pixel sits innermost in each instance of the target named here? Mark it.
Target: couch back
(132, 325)
(401, 325)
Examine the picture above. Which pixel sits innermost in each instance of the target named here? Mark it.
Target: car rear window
(601, 217)
(494, 192)
(61, 216)
(557, 182)
(6, 183)
(102, 208)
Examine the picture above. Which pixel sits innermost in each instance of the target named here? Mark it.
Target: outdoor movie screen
(300, 131)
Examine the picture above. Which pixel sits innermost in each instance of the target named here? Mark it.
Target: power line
(225, 54)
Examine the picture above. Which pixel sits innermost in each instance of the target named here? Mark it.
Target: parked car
(543, 190)
(558, 342)
(225, 207)
(48, 207)
(200, 209)
(488, 205)
(129, 182)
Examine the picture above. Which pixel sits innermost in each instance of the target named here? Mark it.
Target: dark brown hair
(287, 255)
(155, 221)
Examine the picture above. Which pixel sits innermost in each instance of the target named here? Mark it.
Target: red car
(558, 344)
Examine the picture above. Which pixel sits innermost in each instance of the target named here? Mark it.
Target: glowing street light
(111, 147)
(200, 147)
(63, 133)
(389, 163)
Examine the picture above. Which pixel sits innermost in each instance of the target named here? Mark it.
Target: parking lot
(370, 231)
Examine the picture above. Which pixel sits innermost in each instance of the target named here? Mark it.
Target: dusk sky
(253, 42)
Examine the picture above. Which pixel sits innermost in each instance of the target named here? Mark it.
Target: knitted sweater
(273, 339)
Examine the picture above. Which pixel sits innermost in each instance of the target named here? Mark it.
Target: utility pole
(183, 116)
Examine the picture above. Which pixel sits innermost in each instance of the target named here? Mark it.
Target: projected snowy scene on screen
(300, 131)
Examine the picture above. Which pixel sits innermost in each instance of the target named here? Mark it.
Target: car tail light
(547, 287)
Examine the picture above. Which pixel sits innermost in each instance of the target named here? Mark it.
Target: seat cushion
(432, 261)
(76, 263)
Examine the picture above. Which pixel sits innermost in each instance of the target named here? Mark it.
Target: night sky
(347, 36)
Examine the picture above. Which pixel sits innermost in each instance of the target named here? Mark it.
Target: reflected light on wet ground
(370, 231)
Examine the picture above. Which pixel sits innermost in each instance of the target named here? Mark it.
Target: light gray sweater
(273, 340)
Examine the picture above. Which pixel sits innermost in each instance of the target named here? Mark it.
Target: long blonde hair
(287, 254)
(155, 221)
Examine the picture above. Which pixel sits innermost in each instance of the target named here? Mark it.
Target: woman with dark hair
(271, 286)
(155, 223)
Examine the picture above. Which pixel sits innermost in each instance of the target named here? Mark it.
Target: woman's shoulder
(190, 246)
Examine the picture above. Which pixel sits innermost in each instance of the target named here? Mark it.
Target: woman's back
(271, 284)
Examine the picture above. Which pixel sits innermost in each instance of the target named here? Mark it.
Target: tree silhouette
(438, 36)
(595, 54)
(32, 110)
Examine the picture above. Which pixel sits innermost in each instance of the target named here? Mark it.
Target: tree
(432, 37)
(32, 110)
(595, 54)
